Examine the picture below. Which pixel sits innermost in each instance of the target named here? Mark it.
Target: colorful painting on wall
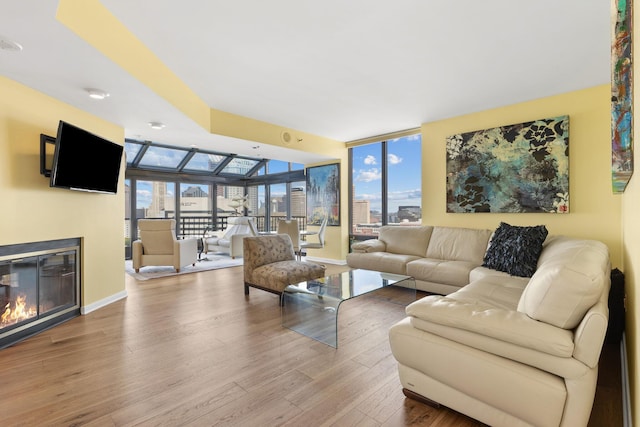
(621, 96)
(323, 194)
(517, 168)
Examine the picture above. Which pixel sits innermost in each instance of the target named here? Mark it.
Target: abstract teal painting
(516, 168)
(621, 96)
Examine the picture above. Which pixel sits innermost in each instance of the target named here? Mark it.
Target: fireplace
(39, 287)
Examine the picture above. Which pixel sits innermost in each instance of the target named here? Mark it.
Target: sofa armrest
(136, 253)
(371, 245)
(502, 324)
(235, 244)
(590, 334)
(185, 251)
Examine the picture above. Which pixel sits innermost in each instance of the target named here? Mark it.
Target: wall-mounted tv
(84, 161)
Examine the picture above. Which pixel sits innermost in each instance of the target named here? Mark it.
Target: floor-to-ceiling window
(386, 184)
(366, 186)
(404, 180)
(196, 209)
(279, 207)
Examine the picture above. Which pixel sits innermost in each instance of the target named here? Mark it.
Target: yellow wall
(631, 247)
(594, 210)
(32, 211)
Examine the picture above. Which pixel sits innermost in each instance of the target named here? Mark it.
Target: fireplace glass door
(57, 287)
(18, 291)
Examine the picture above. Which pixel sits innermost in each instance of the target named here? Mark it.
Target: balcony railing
(196, 225)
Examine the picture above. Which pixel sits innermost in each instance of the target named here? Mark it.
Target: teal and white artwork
(516, 168)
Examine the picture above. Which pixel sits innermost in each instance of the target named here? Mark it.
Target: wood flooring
(192, 350)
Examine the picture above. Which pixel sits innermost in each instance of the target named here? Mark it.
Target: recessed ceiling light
(97, 93)
(156, 125)
(10, 45)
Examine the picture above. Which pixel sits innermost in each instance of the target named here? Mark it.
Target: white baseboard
(627, 420)
(326, 260)
(103, 302)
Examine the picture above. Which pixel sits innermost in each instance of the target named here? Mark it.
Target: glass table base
(311, 308)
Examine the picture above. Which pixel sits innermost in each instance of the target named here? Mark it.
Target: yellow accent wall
(631, 249)
(594, 210)
(32, 211)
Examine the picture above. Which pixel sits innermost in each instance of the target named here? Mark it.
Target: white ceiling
(340, 69)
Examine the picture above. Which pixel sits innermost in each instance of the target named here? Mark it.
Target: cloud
(366, 196)
(405, 195)
(393, 159)
(369, 175)
(370, 160)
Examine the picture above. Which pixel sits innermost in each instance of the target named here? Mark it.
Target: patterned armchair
(270, 264)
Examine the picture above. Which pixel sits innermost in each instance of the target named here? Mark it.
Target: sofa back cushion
(406, 240)
(157, 235)
(571, 276)
(458, 244)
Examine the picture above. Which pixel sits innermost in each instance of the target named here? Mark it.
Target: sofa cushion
(407, 240)
(565, 286)
(380, 261)
(489, 320)
(493, 291)
(278, 275)
(515, 250)
(459, 244)
(454, 273)
(371, 245)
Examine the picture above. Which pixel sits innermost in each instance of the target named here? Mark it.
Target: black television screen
(84, 161)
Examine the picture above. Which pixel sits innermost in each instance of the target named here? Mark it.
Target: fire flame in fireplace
(16, 312)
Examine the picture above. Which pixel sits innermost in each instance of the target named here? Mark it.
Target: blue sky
(404, 160)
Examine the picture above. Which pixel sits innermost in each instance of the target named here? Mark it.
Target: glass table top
(311, 308)
(348, 284)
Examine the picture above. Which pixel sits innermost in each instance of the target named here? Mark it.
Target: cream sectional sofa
(506, 350)
(439, 258)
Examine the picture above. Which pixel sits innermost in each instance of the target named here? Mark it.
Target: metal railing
(196, 225)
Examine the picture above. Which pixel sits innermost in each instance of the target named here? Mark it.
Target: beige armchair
(230, 241)
(270, 264)
(158, 245)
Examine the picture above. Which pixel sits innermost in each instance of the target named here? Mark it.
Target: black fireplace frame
(39, 324)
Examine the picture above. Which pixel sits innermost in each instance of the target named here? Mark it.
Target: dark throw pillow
(515, 250)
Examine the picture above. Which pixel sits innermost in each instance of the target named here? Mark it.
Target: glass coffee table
(311, 308)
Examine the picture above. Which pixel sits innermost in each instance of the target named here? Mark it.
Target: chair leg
(246, 289)
(282, 299)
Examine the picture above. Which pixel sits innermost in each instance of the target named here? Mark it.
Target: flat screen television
(84, 161)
